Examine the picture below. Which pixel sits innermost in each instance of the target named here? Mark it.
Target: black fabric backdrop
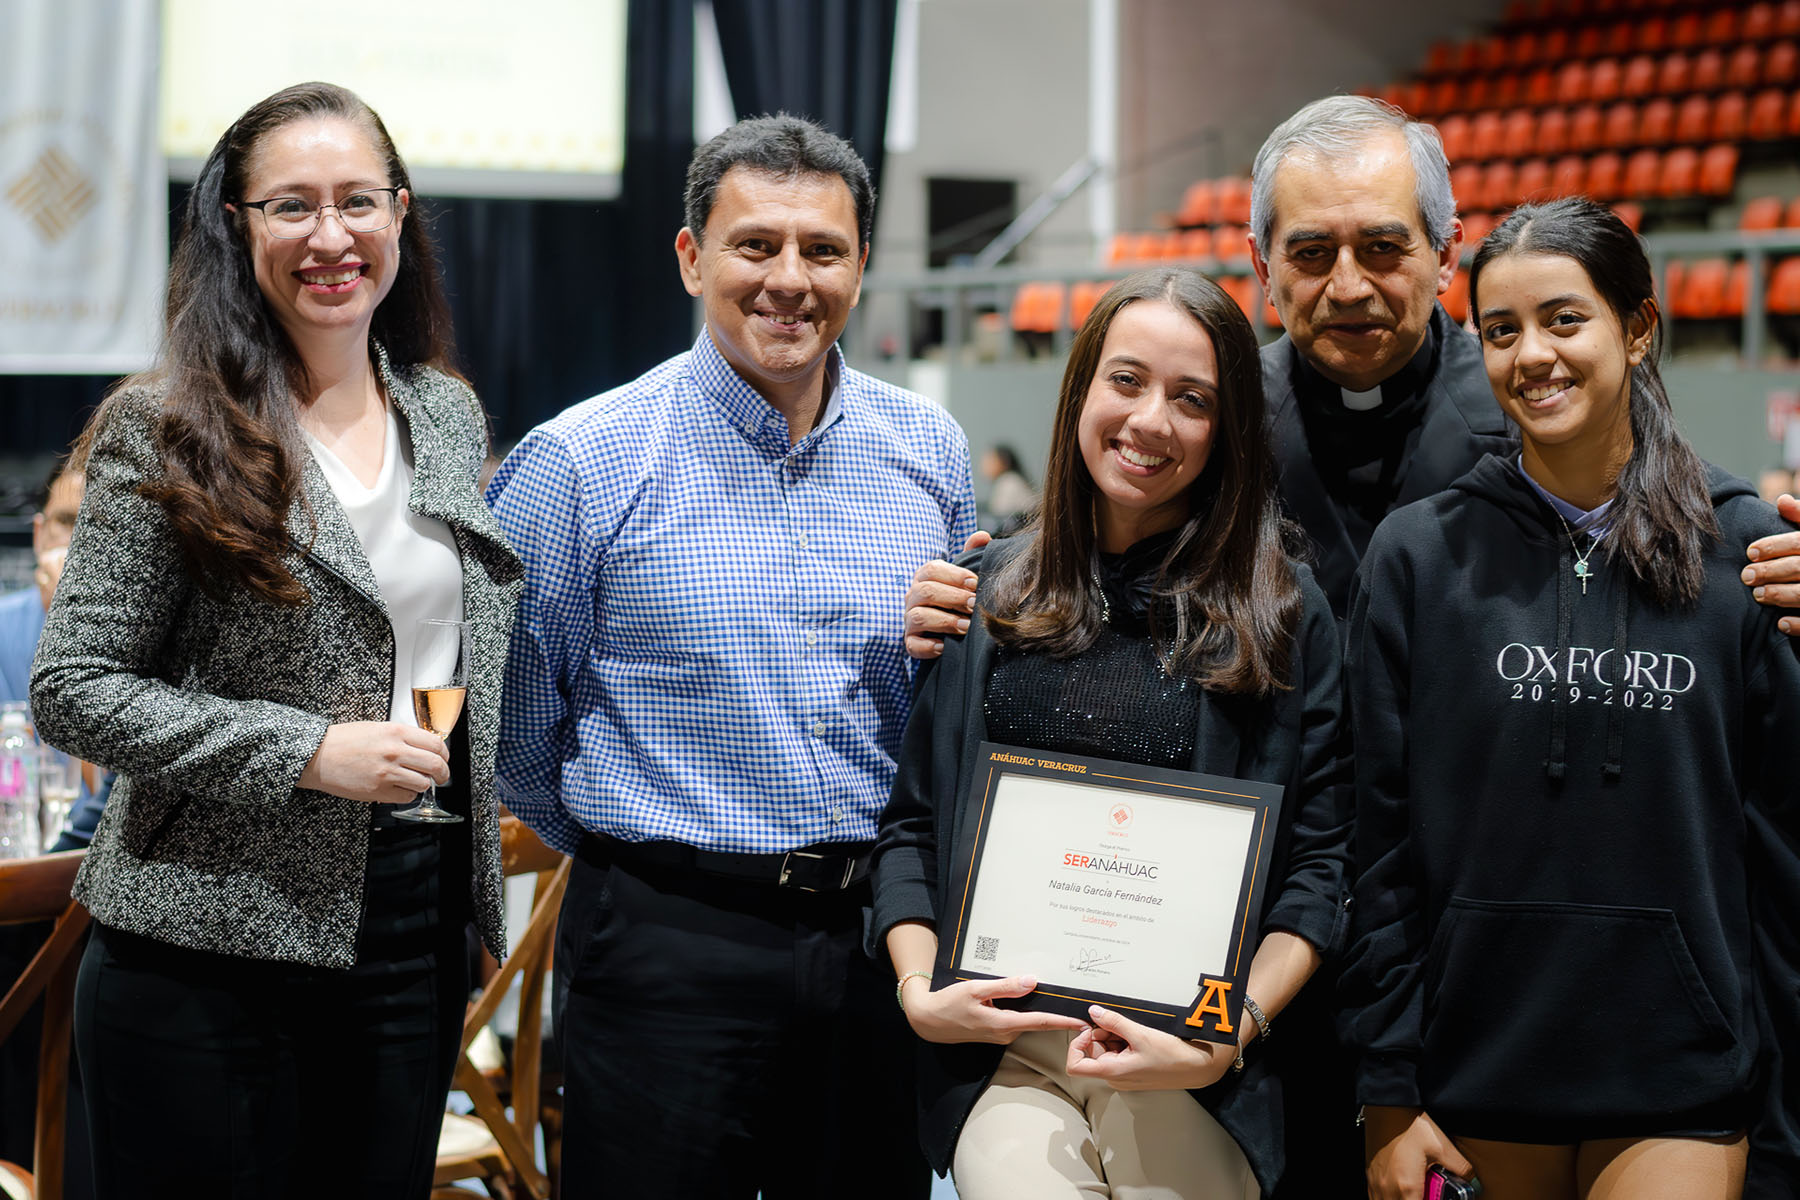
(555, 301)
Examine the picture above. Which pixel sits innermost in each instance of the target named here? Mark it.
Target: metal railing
(961, 294)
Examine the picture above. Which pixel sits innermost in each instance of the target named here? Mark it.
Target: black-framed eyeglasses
(366, 211)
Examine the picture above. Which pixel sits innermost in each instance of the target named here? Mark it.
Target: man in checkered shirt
(706, 691)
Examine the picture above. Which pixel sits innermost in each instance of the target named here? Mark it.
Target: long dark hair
(1661, 521)
(1225, 584)
(229, 438)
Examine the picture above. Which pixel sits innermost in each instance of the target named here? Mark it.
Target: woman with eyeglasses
(278, 966)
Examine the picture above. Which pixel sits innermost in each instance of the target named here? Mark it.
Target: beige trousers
(1037, 1132)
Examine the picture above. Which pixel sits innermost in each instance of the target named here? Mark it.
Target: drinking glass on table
(440, 683)
(59, 782)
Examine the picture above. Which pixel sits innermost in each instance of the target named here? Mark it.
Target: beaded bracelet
(900, 987)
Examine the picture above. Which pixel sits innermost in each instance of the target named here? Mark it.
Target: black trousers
(723, 1038)
(212, 1076)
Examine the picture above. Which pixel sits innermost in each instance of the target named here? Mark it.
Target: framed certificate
(1133, 887)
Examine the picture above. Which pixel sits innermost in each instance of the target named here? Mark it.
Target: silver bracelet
(1263, 1023)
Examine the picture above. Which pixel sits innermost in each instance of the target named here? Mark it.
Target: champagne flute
(440, 683)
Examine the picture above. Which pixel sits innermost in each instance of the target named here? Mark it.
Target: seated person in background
(1010, 494)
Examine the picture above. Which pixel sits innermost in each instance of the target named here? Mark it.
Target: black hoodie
(1558, 794)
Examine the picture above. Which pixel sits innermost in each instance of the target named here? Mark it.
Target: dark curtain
(553, 300)
(825, 59)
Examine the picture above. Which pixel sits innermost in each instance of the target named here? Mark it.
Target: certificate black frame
(1214, 1012)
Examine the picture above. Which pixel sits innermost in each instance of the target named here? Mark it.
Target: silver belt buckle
(787, 869)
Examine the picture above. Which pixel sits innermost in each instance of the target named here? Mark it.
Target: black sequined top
(1113, 700)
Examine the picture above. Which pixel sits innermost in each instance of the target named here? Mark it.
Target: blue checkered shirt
(709, 646)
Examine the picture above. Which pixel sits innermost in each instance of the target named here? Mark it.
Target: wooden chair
(37, 889)
(492, 1146)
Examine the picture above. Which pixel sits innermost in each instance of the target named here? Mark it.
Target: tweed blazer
(209, 708)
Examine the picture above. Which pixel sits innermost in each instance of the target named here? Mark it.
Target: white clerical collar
(1362, 401)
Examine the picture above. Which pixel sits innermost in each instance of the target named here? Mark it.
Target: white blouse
(416, 564)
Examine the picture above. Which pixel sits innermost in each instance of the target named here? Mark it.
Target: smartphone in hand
(1442, 1185)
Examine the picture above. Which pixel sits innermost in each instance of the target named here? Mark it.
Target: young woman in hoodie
(1567, 712)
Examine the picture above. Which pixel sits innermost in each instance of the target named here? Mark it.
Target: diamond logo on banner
(53, 194)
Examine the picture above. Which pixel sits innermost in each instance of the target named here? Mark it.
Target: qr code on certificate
(987, 949)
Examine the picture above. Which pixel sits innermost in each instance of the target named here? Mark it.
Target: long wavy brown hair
(1227, 602)
(229, 436)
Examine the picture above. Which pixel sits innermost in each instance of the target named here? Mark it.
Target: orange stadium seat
(1620, 129)
(1709, 71)
(1082, 298)
(1722, 26)
(1199, 204)
(1569, 176)
(1552, 133)
(1241, 288)
(1506, 90)
(1477, 93)
(1791, 218)
(1118, 250)
(1466, 57)
(1643, 174)
(1674, 75)
(1231, 243)
(1656, 123)
(1037, 308)
(1234, 200)
(1604, 79)
(1764, 212)
(1465, 184)
(1680, 174)
(1781, 65)
(1493, 54)
(1533, 183)
(1572, 82)
(1718, 170)
(1767, 120)
(1553, 44)
(1195, 243)
(1674, 276)
(1631, 214)
(1443, 96)
(1687, 31)
(1693, 120)
(1621, 38)
(1500, 186)
(1784, 288)
(1743, 69)
(1702, 293)
(1586, 126)
(1487, 136)
(1652, 35)
(1590, 41)
(1540, 87)
(1455, 132)
(1737, 289)
(1639, 78)
(1793, 116)
(1758, 24)
(1438, 59)
(1787, 19)
(1519, 131)
(1729, 114)
(1606, 177)
(1455, 298)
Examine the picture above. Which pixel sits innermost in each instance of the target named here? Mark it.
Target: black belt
(822, 867)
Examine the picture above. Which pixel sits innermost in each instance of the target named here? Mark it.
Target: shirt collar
(1578, 518)
(1406, 384)
(746, 408)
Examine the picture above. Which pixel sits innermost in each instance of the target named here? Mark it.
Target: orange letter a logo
(1212, 1000)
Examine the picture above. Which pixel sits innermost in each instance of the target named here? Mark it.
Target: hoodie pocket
(1570, 1011)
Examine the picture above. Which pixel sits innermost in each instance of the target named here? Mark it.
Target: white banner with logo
(83, 190)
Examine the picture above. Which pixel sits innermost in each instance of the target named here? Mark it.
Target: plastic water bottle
(19, 836)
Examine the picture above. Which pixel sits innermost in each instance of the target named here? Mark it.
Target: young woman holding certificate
(1575, 846)
(1151, 615)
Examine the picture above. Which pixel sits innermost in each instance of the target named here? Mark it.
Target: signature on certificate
(1091, 962)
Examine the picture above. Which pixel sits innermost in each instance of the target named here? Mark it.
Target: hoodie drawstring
(1556, 766)
(1615, 720)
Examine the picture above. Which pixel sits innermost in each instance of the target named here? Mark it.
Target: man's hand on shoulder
(1773, 573)
(940, 601)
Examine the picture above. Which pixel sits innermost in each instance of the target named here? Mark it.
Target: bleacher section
(1657, 107)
